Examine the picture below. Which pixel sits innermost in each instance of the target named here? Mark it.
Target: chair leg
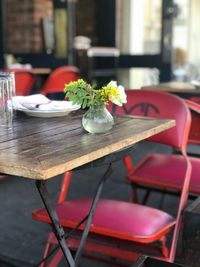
(46, 252)
(48, 248)
(2, 177)
(162, 199)
(134, 195)
(165, 250)
(56, 259)
(146, 196)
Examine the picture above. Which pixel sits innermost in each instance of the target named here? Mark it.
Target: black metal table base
(58, 229)
(140, 261)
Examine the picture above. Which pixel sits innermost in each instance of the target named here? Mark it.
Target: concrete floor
(22, 239)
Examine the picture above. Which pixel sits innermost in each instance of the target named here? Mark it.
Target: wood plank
(41, 148)
(41, 71)
(174, 87)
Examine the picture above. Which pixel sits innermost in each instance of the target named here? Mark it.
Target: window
(139, 26)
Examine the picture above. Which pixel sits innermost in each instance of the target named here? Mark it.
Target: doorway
(144, 38)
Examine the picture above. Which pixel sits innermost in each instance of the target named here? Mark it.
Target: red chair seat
(114, 218)
(166, 171)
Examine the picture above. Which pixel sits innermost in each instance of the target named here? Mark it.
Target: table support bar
(91, 213)
(140, 261)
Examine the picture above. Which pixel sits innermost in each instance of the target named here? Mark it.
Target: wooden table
(41, 148)
(175, 87)
(41, 71)
(34, 70)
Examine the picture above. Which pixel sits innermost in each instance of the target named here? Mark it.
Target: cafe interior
(100, 133)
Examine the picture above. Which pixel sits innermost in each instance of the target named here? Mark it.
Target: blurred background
(137, 42)
(156, 40)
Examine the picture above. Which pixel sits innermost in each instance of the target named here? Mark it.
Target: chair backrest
(24, 81)
(159, 105)
(195, 99)
(57, 79)
(194, 136)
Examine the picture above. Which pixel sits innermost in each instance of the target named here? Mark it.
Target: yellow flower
(80, 92)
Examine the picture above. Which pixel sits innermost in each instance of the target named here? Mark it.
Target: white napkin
(41, 103)
(20, 66)
(196, 83)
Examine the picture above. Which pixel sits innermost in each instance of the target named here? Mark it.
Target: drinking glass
(11, 81)
(6, 106)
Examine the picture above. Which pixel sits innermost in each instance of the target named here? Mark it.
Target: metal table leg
(58, 229)
(140, 261)
(91, 213)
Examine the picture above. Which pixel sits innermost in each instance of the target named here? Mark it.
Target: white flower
(112, 84)
(121, 94)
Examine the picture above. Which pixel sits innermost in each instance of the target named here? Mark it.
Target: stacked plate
(40, 106)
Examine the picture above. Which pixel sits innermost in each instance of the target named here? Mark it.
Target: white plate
(49, 113)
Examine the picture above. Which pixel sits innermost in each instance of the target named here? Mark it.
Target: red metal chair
(57, 79)
(24, 81)
(145, 173)
(119, 226)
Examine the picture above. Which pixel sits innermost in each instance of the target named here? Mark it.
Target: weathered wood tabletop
(41, 148)
(41, 71)
(174, 87)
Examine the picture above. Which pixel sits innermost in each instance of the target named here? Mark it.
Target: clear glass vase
(97, 119)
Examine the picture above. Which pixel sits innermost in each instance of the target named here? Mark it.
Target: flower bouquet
(97, 119)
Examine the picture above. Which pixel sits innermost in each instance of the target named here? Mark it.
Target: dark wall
(86, 22)
(106, 22)
(1, 34)
(97, 21)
